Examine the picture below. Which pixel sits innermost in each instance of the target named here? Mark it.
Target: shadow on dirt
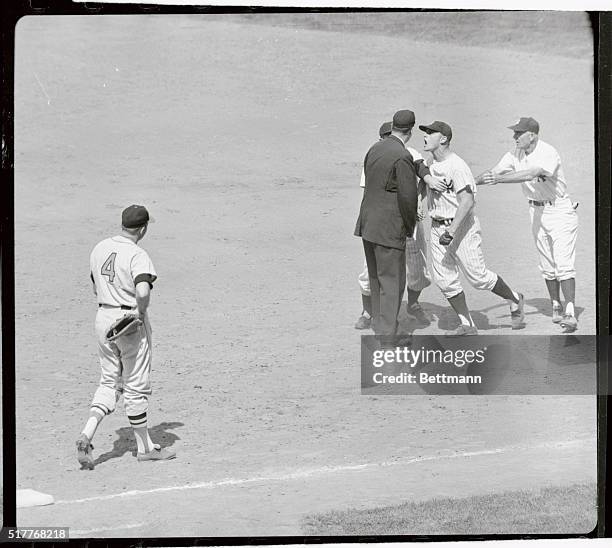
(445, 318)
(127, 442)
(544, 307)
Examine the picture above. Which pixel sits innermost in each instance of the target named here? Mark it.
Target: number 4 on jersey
(108, 268)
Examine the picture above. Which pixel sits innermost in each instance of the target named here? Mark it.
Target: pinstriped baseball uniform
(117, 264)
(554, 221)
(465, 251)
(417, 274)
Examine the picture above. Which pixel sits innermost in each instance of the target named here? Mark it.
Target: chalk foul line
(308, 473)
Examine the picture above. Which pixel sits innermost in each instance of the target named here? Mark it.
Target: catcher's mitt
(125, 325)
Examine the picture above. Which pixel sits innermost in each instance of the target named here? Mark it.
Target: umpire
(388, 215)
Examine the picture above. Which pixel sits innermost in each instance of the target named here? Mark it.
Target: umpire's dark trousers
(387, 271)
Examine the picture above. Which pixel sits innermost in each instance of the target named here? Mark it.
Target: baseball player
(123, 274)
(455, 233)
(554, 220)
(417, 275)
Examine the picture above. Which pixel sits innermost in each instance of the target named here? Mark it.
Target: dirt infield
(245, 142)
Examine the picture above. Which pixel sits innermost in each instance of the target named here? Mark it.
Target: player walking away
(417, 275)
(554, 221)
(123, 274)
(455, 233)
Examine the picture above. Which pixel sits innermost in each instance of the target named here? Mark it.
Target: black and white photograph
(217, 214)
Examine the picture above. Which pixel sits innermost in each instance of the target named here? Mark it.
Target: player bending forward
(123, 274)
(455, 233)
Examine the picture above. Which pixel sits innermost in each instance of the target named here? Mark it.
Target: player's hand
(489, 178)
(420, 213)
(446, 238)
(436, 184)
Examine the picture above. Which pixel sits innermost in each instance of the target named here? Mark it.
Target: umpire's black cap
(403, 120)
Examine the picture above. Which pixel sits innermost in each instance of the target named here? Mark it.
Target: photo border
(11, 13)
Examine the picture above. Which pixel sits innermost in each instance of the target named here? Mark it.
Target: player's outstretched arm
(492, 178)
(485, 178)
(489, 177)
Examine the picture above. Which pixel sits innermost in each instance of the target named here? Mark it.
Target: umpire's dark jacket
(389, 206)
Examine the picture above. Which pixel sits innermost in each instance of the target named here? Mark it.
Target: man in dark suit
(387, 215)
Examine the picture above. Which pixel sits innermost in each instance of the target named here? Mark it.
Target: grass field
(555, 510)
(244, 137)
(556, 32)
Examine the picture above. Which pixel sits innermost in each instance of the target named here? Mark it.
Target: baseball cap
(135, 216)
(385, 129)
(438, 127)
(403, 119)
(526, 124)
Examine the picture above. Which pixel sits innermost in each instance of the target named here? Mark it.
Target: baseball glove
(446, 238)
(126, 325)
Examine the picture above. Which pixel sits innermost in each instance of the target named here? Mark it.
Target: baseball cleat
(569, 323)
(462, 331)
(157, 454)
(363, 323)
(518, 315)
(416, 311)
(557, 314)
(84, 453)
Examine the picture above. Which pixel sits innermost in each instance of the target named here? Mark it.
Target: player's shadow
(445, 317)
(126, 442)
(544, 307)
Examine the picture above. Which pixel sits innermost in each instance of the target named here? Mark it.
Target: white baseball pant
(463, 254)
(417, 273)
(555, 231)
(124, 362)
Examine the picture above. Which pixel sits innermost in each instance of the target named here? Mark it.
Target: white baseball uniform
(117, 264)
(465, 251)
(417, 274)
(554, 221)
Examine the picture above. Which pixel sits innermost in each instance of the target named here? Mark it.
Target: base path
(275, 505)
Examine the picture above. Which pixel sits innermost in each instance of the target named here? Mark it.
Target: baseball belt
(122, 307)
(540, 204)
